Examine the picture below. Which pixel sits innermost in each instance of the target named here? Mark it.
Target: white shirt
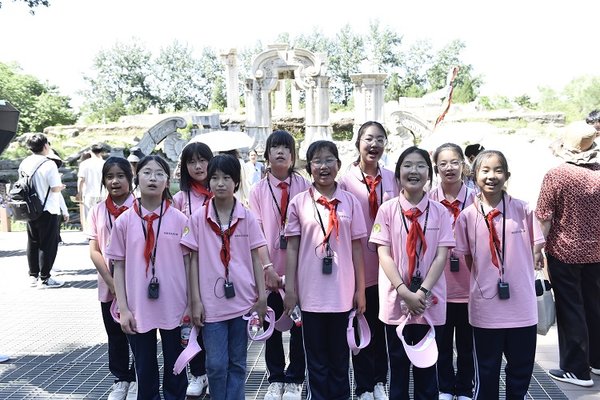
(46, 177)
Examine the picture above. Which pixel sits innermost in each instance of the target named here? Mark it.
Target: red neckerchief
(150, 239)
(415, 232)
(333, 221)
(494, 240)
(225, 237)
(201, 190)
(453, 207)
(372, 184)
(284, 199)
(113, 209)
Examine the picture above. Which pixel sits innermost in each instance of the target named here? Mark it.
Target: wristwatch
(424, 290)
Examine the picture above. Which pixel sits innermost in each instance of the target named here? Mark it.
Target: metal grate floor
(82, 373)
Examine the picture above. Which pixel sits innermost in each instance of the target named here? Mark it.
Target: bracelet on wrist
(425, 290)
(267, 266)
(400, 284)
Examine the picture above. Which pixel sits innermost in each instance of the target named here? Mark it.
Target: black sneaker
(569, 377)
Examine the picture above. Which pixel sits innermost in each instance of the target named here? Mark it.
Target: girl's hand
(128, 324)
(415, 302)
(260, 307)
(360, 302)
(538, 260)
(197, 313)
(272, 279)
(290, 301)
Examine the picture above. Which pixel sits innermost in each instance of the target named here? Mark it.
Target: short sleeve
(254, 202)
(381, 232)
(189, 237)
(446, 238)
(116, 247)
(293, 226)
(257, 238)
(546, 203)
(358, 227)
(461, 235)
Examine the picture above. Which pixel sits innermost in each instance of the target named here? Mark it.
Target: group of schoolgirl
(207, 256)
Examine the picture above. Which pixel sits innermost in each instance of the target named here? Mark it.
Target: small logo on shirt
(376, 228)
(186, 230)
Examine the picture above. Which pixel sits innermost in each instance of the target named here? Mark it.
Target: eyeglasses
(380, 141)
(454, 164)
(329, 162)
(159, 175)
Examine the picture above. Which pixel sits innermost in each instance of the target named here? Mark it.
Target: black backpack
(23, 199)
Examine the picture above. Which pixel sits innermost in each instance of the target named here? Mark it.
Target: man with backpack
(42, 232)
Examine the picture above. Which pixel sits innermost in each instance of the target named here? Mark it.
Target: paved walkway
(57, 344)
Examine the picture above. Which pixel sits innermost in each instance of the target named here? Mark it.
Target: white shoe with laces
(292, 391)
(274, 391)
(379, 392)
(132, 392)
(33, 281)
(119, 391)
(50, 283)
(197, 385)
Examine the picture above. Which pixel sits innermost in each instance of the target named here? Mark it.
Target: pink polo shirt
(353, 182)
(211, 272)
(99, 228)
(264, 205)
(318, 292)
(127, 243)
(389, 230)
(457, 283)
(180, 201)
(486, 310)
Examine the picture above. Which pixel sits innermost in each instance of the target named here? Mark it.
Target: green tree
(466, 86)
(382, 46)
(40, 104)
(218, 100)
(345, 59)
(32, 4)
(122, 76)
(412, 70)
(181, 81)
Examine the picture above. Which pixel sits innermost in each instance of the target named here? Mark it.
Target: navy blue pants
(327, 355)
(576, 288)
(143, 346)
(518, 347)
(198, 363)
(458, 382)
(118, 348)
(425, 379)
(371, 363)
(274, 353)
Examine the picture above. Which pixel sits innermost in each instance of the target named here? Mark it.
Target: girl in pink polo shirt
(150, 279)
(324, 257)
(412, 234)
(193, 194)
(117, 179)
(502, 242)
(453, 194)
(269, 201)
(226, 278)
(372, 185)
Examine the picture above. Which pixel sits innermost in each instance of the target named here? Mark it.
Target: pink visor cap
(423, 354)
(364, 332)
(188, 353)
(269, 317)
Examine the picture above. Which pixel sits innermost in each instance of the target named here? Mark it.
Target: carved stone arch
(309, 72)
(165, 129)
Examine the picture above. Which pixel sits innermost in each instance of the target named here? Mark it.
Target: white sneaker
(33, 281)
(379, 392)
(50, 283)
(118, 391)
(464, 398)
(292, 391)
(274, 391)
(197, 385)
(132, 392)
(445, 396)
(595, 371)
(366, 396)
(569, 377)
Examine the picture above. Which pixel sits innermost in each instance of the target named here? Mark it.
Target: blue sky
(516, 45)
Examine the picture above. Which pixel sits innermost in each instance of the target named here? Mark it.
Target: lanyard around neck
(327, 246)
(228, 230)
(500, 255)
(275, 199)
(380, 184)
(424, 232)
(153, 258)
